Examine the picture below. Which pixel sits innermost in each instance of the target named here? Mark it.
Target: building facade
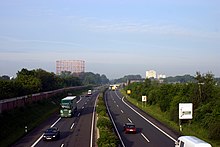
(73, 66)
(151, 74)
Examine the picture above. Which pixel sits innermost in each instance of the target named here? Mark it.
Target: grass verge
(188, 129)
(106, 130)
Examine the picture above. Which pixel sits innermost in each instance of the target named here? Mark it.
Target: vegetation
(125, 79)
(34, 81)
(30, 115)
(203, 93)
(107, 136)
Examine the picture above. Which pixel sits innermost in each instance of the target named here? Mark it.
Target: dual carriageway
(80, 130)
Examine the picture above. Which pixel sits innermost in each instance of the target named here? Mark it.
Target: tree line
(38, 80)
(203, 91)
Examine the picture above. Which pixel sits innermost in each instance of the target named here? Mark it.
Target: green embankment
(187, 129)
(12, 123)
(107, 137)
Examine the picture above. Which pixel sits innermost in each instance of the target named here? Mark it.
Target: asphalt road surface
(148, 133)
(77, 131)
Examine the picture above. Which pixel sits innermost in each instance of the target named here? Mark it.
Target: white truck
(89, 92)
(191, 141)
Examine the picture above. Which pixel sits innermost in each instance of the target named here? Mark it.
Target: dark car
(51, 134)
(129, 128)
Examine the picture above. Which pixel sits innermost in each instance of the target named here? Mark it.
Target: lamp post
(200, 91)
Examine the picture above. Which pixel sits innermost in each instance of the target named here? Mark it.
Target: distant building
(151, 74)
(161, 76)
(73, 66)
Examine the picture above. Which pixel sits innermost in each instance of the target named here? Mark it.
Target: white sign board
(185, 110)
(144, 98)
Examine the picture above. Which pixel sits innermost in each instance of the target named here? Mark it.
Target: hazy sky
(114, 37)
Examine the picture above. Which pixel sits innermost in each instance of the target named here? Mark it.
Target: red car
(129, 128)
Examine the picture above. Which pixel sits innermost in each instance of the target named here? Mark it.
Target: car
(52, 133)
(129, 128)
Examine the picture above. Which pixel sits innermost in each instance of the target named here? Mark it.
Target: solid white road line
(42, 135)
(114, 124)
(92, 127)
(55, 122)
(37, 141)
(145, 137)
(149, 121)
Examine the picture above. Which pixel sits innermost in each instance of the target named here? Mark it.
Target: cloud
(145, 27)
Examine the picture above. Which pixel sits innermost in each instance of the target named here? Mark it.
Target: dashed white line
(78, 114)
(79, 100)
(72, 126)
(145, 137)
(148, 121)
(62, 145)
(129, 120)
(117, 106)
(83, 107)
(122, 111)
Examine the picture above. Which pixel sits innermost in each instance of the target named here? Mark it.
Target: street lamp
(200, 92)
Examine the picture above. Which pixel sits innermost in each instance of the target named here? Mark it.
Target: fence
(16, 102)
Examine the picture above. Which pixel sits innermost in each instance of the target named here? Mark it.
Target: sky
(114, 37)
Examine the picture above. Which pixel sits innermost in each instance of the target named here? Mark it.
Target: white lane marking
(92, 127)
(55, 122)
(79, 100)
(148, 121)
(62, 145)
(114, 124)
(129, 120)
(83, 107)
(85, 103)
(122, 111)
(35, 143)
(72, 126)
(78, 114)
(114, 101)
(145, 137)
(117, 106)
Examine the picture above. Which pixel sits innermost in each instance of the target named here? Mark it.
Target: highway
(75, 131)
(148, 134)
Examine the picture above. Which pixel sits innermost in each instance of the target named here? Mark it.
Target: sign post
(185, 112)
(128, 91)
(144, 99)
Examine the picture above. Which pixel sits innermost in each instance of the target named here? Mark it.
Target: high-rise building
(151, 74)
(73, 66)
